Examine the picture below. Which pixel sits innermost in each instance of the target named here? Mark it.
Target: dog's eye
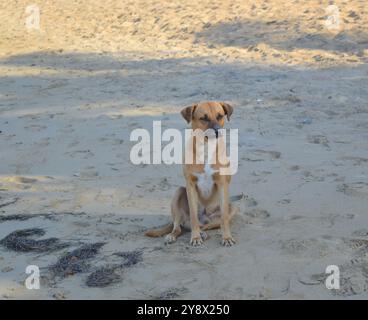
(204, 119)
(219, 117)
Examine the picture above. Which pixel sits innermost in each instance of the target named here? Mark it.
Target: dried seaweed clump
(108, 275)
(76, 261)
(130, 257)
(104, 277)
(21, 241)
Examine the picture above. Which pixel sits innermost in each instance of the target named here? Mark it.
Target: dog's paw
(196, 241)
(170, 238)
(228, 241)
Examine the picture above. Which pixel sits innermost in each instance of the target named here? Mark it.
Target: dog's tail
(159, 232)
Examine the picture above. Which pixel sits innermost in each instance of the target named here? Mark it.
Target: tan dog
(204, 202)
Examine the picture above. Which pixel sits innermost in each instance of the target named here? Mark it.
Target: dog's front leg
(227, 239)
(196, 239)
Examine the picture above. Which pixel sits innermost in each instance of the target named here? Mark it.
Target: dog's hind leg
(179, 211)
(216, 223)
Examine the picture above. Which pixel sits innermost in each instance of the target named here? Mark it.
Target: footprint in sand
(297, 246)
(262, 155)
(171, 293)
(112, 141)
(318, 139)
(164, 185)
(355, 189)
(294, 168)
(308, 176)
(60, 296)
(43, 142)
(251, 202)
(284, 201)
(55, 84)
(35, 127)
(257, 213)
(88, 173)
(31, 116)
(357, 161)
(73, 144)
(85, 154)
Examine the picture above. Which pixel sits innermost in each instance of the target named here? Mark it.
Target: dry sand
(71, 92)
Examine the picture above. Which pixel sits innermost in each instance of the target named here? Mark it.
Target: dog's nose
(216, 129)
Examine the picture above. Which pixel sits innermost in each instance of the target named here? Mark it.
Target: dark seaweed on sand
(104, 277)
(108, 275)
(21, 241)
(24, 217)
(75, 261)
(130, 257)
(17, 217)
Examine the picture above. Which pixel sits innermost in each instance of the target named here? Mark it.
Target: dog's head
(207, 115)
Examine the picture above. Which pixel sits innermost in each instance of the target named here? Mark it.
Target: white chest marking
(205, 180)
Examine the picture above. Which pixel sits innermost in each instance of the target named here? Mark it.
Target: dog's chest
(205, 181)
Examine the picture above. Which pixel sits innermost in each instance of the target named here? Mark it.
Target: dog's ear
(228, 109)
(187, 112)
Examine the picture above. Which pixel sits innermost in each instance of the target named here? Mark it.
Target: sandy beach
(72, 91)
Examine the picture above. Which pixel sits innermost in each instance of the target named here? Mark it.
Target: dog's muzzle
(216, 128)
